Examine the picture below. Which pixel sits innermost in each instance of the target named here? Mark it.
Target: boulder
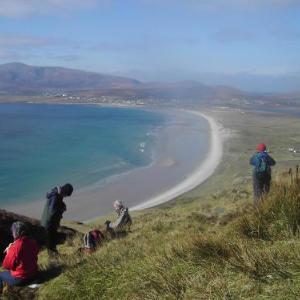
(36, 231)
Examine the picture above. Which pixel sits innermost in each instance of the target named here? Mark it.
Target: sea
(45, 145)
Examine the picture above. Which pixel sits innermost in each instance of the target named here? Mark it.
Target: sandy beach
(202, 172)
(182, 163)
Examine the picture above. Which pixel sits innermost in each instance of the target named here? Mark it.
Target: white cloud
(216, 5)
(21, 8)
(18, 47)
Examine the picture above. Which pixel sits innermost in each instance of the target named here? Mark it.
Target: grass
(183, 253)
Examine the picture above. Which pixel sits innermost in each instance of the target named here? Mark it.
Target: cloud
(255, 3)
(148, 43)
(21, 41)
(25, 8)
(239, 35)
(19, 47)
(261, 3)
(221, 5)
(18, 40)
(21, 8)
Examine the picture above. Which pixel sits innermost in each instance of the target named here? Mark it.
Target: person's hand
(7, 248)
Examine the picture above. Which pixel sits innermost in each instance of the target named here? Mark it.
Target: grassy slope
(208, 244)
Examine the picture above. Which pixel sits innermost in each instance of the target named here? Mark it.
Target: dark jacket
(255, 160)
(53, 210)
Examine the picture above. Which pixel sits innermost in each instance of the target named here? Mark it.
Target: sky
(250, 44)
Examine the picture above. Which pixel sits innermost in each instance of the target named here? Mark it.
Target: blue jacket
(255, 159)
(53, 210)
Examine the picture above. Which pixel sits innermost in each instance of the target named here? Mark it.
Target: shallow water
(46, 145)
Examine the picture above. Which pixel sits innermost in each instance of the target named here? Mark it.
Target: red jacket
(21, 258)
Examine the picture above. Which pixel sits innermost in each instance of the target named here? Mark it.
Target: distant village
(74, 97)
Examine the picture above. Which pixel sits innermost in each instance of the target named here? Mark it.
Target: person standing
(53, 213)
(21, 258)
(261, 174)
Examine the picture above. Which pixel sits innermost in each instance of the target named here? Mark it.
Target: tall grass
(278, 214)
(189, 255)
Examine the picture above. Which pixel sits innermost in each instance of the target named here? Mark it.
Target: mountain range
(18, 77)
(22, 79)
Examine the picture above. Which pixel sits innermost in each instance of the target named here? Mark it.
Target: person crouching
(21, 258)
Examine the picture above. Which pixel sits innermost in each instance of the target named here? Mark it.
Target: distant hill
(17, 78)
(187, 89)
(21, 79)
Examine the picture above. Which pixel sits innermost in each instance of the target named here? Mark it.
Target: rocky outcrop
(37, 232)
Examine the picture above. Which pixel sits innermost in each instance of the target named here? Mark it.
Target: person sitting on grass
(21, 258)
(261, 162)
(123, 221)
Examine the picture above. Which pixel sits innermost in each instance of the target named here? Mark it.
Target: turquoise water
(42, 146)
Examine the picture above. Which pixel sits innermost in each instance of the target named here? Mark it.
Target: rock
(36, 231)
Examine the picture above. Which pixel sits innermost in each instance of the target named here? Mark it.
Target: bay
(44, 145)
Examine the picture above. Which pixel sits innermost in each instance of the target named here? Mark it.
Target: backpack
(262, 168)
(92, 239)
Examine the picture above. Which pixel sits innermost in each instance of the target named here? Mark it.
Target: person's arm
(52, 206)
(9, 262)
(253, 160)
(271, 161)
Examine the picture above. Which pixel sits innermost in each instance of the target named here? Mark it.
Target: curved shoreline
(162, 181)
(203, 172)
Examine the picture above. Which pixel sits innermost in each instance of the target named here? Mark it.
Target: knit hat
(18, 229)
(261, 147)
